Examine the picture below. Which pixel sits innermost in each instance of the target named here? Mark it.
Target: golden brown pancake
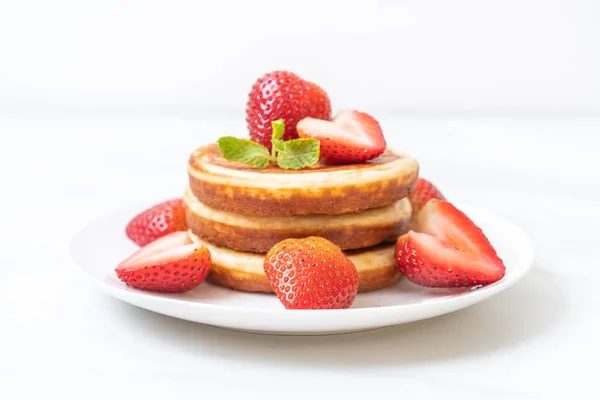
(244, 271)
(320, 189)
(258, 234)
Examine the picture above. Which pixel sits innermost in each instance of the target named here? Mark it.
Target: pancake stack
(239, 212)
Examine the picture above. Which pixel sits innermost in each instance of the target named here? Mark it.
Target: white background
(461, 55)
(102, 102)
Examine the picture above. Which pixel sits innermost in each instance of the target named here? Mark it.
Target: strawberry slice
(157, 221)
(351, 137)
(171, 264)
(423, 192)
(448, 250)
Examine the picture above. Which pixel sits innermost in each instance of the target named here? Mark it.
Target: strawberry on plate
(352, 137)
(423, 192)
(157, 221)
(311, 273)
(447, 250)
(283, 95)
(170, 264)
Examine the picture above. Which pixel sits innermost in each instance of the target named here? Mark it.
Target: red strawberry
(448, 250)
(157, 221)
(311, 273)
(283, 95)
(352, 137)
(423, 192)
(171, 264)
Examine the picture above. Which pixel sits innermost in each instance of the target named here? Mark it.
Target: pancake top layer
(211, 155)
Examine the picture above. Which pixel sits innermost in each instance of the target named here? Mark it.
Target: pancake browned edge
(258, 234)
(244, 272)
(320, 189)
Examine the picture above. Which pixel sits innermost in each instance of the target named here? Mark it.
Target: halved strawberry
(351, 137)
(448, 250)
(172, 264)
(157, 221)
(423, 192)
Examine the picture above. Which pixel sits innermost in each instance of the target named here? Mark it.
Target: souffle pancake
(258, 234)
(240, 188)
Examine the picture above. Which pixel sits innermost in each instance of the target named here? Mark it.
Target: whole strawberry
(283, 95)
(170, 264)
(157, 221)
(311, 273)
(423, 192)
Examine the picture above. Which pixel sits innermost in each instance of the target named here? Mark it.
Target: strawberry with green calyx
(290, 154)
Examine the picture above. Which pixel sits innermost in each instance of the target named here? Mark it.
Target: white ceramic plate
(102, 244)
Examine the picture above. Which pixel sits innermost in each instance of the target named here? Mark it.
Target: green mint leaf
(277, 145)
(278, 131)
(299, 153)
(245, 151)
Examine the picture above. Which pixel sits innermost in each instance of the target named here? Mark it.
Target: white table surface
(61, 336)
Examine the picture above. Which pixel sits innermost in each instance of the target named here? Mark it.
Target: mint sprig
(291, 154)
